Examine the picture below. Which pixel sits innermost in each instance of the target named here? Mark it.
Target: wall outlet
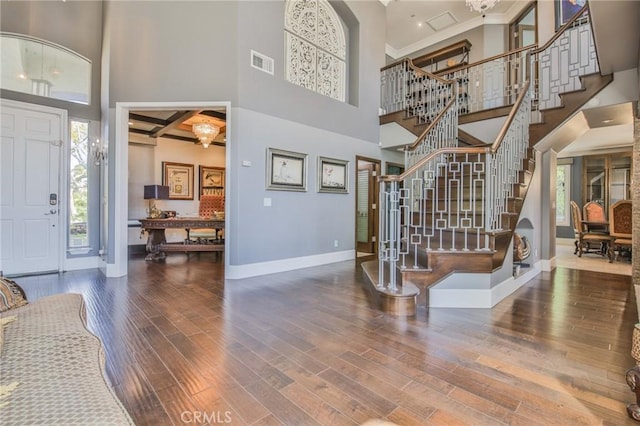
(335, 243)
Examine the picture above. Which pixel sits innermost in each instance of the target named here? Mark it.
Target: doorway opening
(118, 262)
(367, 195)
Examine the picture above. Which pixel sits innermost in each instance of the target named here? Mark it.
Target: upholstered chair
(586, 242)
(211, 206)
(594, 217)
(620, 227)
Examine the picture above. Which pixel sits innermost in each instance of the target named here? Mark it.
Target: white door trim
(63, 178)
(118, 265)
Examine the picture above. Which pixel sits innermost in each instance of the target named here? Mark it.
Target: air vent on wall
(261, 62)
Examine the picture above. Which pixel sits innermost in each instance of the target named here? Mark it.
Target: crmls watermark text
(203, 417)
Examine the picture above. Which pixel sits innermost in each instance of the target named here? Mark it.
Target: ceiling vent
(261, 62)
(442, 21)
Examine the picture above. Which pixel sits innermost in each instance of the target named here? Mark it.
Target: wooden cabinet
(607, 178)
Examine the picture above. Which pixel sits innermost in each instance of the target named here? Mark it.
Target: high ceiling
(417, 24)
(414, 25)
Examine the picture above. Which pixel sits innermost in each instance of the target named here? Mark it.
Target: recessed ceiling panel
(612, 115)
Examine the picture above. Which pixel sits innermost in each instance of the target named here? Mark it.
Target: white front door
(30, 156)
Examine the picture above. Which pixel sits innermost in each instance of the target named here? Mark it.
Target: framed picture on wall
(211, 180)
(566, 9)
(179, 178)
(286, 170)
(333, 175)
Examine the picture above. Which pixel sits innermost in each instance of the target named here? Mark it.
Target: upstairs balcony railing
(405, 87)
(495, 82)
(560, 63)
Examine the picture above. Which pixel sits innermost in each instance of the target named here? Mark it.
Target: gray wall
(275, 113)
(298, 223)
(76, 25)
(273, 95)
(151, 55)
(171, 51)
(576, 195)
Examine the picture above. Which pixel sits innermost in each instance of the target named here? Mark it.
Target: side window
(78, 185)
(563, 195)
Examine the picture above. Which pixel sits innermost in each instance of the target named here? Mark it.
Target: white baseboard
(77, 263)
(283, 265)
(548, 265)
(480, 298)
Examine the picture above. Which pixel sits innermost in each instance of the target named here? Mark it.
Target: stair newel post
(389, 233)
(382, 233)
(394, 232)
(489, 194)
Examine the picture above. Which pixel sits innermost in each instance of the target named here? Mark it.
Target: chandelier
(481, 5)
(206, 132)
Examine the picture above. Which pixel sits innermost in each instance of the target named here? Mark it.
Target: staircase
(456, 207)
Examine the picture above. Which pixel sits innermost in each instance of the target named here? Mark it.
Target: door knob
(52, 211)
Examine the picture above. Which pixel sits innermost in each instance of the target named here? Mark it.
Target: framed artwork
(286, 170)
(211, 180)
(333, 175)
(179, 178)
(565, 9)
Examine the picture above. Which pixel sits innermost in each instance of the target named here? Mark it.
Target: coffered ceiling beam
(174, 121)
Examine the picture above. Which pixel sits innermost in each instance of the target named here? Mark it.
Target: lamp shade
(156, 192)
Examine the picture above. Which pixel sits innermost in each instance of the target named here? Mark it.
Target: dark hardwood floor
(304, 347)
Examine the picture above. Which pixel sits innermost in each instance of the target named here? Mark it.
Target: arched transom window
(316, 47)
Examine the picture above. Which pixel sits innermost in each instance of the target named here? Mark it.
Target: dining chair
(620, 228)
(594, 217)
(586, 241)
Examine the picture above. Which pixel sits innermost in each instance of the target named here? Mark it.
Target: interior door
(30, 150)
(367, 206)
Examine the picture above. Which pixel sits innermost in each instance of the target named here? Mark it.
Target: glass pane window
(78, 185)
(563, 195)
(41, 68)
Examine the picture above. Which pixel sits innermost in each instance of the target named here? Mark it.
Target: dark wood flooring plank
(313, 405)
(309, 347)
(281, 407)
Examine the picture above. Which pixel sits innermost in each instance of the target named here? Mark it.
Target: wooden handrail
(562, 29)
(512, 114)
(424, 160)
(492, 58)
(458, 150)
(416, 69)
(428, 74)
(419, 139)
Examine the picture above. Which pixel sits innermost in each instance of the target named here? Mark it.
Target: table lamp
(155, 192)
